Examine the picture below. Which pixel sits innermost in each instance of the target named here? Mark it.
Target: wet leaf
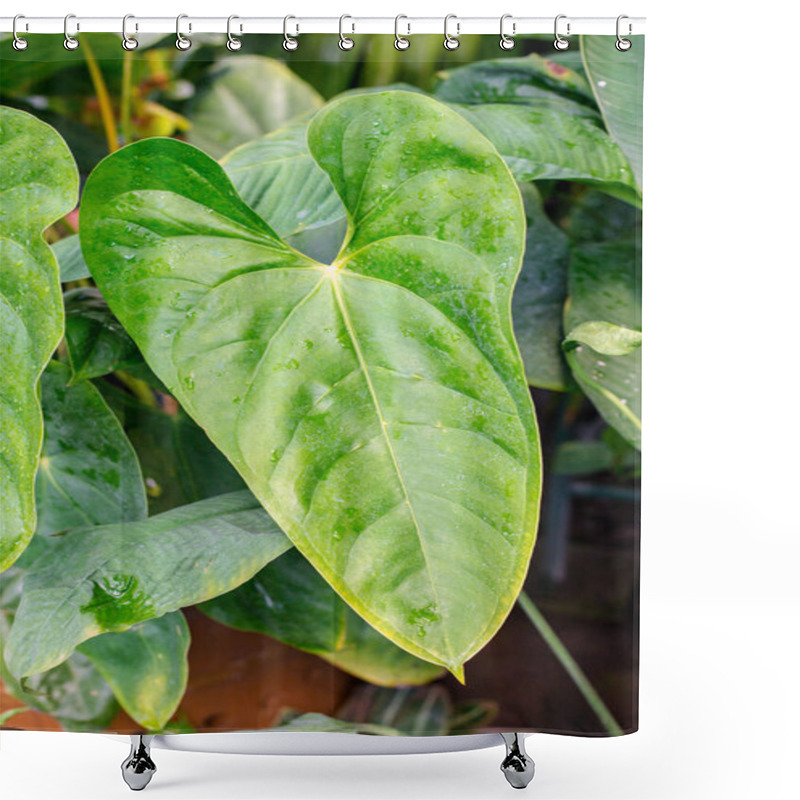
(111, 577)
(38, 185)
(376, 406)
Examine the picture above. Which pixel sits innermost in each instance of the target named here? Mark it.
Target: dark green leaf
(596, 217)
(38, 185)
(605, 286)
(96, 342)
(538, 304)
(319, 723)
(247, 96)
(377, 406)
(146, 666)
(111, 577)
(420, 711)
(71, 265)
(88, 473)
(289, 601)
(616, 79)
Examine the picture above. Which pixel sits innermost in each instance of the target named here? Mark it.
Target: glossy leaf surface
(376, 406)
(88, 473)
(247, 96)
(617, 80)
(605, 290)
(110, 577)
(96, 342)
(38, 185)
(71, 265)
(542, 121)
(538, 304)
(146, 666)
(289, 601)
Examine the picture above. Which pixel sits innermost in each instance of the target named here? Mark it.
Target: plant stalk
(570, 665)
(103, 97)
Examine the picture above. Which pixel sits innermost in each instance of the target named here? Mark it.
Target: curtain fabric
(320, 401)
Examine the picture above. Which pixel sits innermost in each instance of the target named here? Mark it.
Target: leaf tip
(458, 673)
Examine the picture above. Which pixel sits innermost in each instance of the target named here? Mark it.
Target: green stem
(126, 96)
(570, 665)
(138, 388)
(103, 97)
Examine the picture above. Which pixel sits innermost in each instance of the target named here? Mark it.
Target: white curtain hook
(181, 42)
(70, 42)
(451, 42)
(19, 43)
(507, 42)
(623, 44)
(233, 44)
(400, 42)
(129, 42)
(345, 42)
(290, 43)
(560, 42)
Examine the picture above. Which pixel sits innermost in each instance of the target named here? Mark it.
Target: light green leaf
(605, 338)
(538, 304)
(278, 178)
(88, 473)
(376, 406)
(545, 127)
(617, 80)
(111, 577)
(71, 264)
(146, 666)
(605, 286)
(247, 96)
(74, 692)
(289, 601)
(38, 185)
(97, 344)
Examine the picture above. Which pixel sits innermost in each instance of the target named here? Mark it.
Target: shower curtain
(320, 403)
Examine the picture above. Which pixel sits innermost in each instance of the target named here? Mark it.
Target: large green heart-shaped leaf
(603, 318)
(289, 601)
(376, 406)
(617, 80)
(88, 473)
(97, 344)
(146, 666)
(38, 185)
(279, 179)
(541, 289)
(545, 127)
(110, 577)
(247, 96)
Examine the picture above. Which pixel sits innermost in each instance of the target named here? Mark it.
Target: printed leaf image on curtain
(38, 185)
(376, 405)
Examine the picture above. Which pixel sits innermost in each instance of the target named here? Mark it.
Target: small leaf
(605, 338)
(96, 342)
(111, 577)
(617, 79)
(538, 304)
(247, 96)
(88, 473)
(605, 286)
(71, 264)
(319, 723)
(38, 185)
(146, 666)
(289, 601)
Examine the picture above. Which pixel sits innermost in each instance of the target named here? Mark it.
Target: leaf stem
(570, 665)
(103, 97)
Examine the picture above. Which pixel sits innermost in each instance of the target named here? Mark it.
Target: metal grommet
(129, 42)
(233, 44)
(623, 44)
(560, 42)
(19, 43)
(181, 42)
(400, 42)
(451, 42)
(345, 42)
(70, 42)
(289, 43)
(506, 42)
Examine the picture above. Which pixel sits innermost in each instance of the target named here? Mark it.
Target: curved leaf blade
(247, 97)
(146, 666)
(376, 406)
(617, 79)
(71, 264)
(289, 601)
(88, 472)
(111, 577)
(605, 287)
(39, 184)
